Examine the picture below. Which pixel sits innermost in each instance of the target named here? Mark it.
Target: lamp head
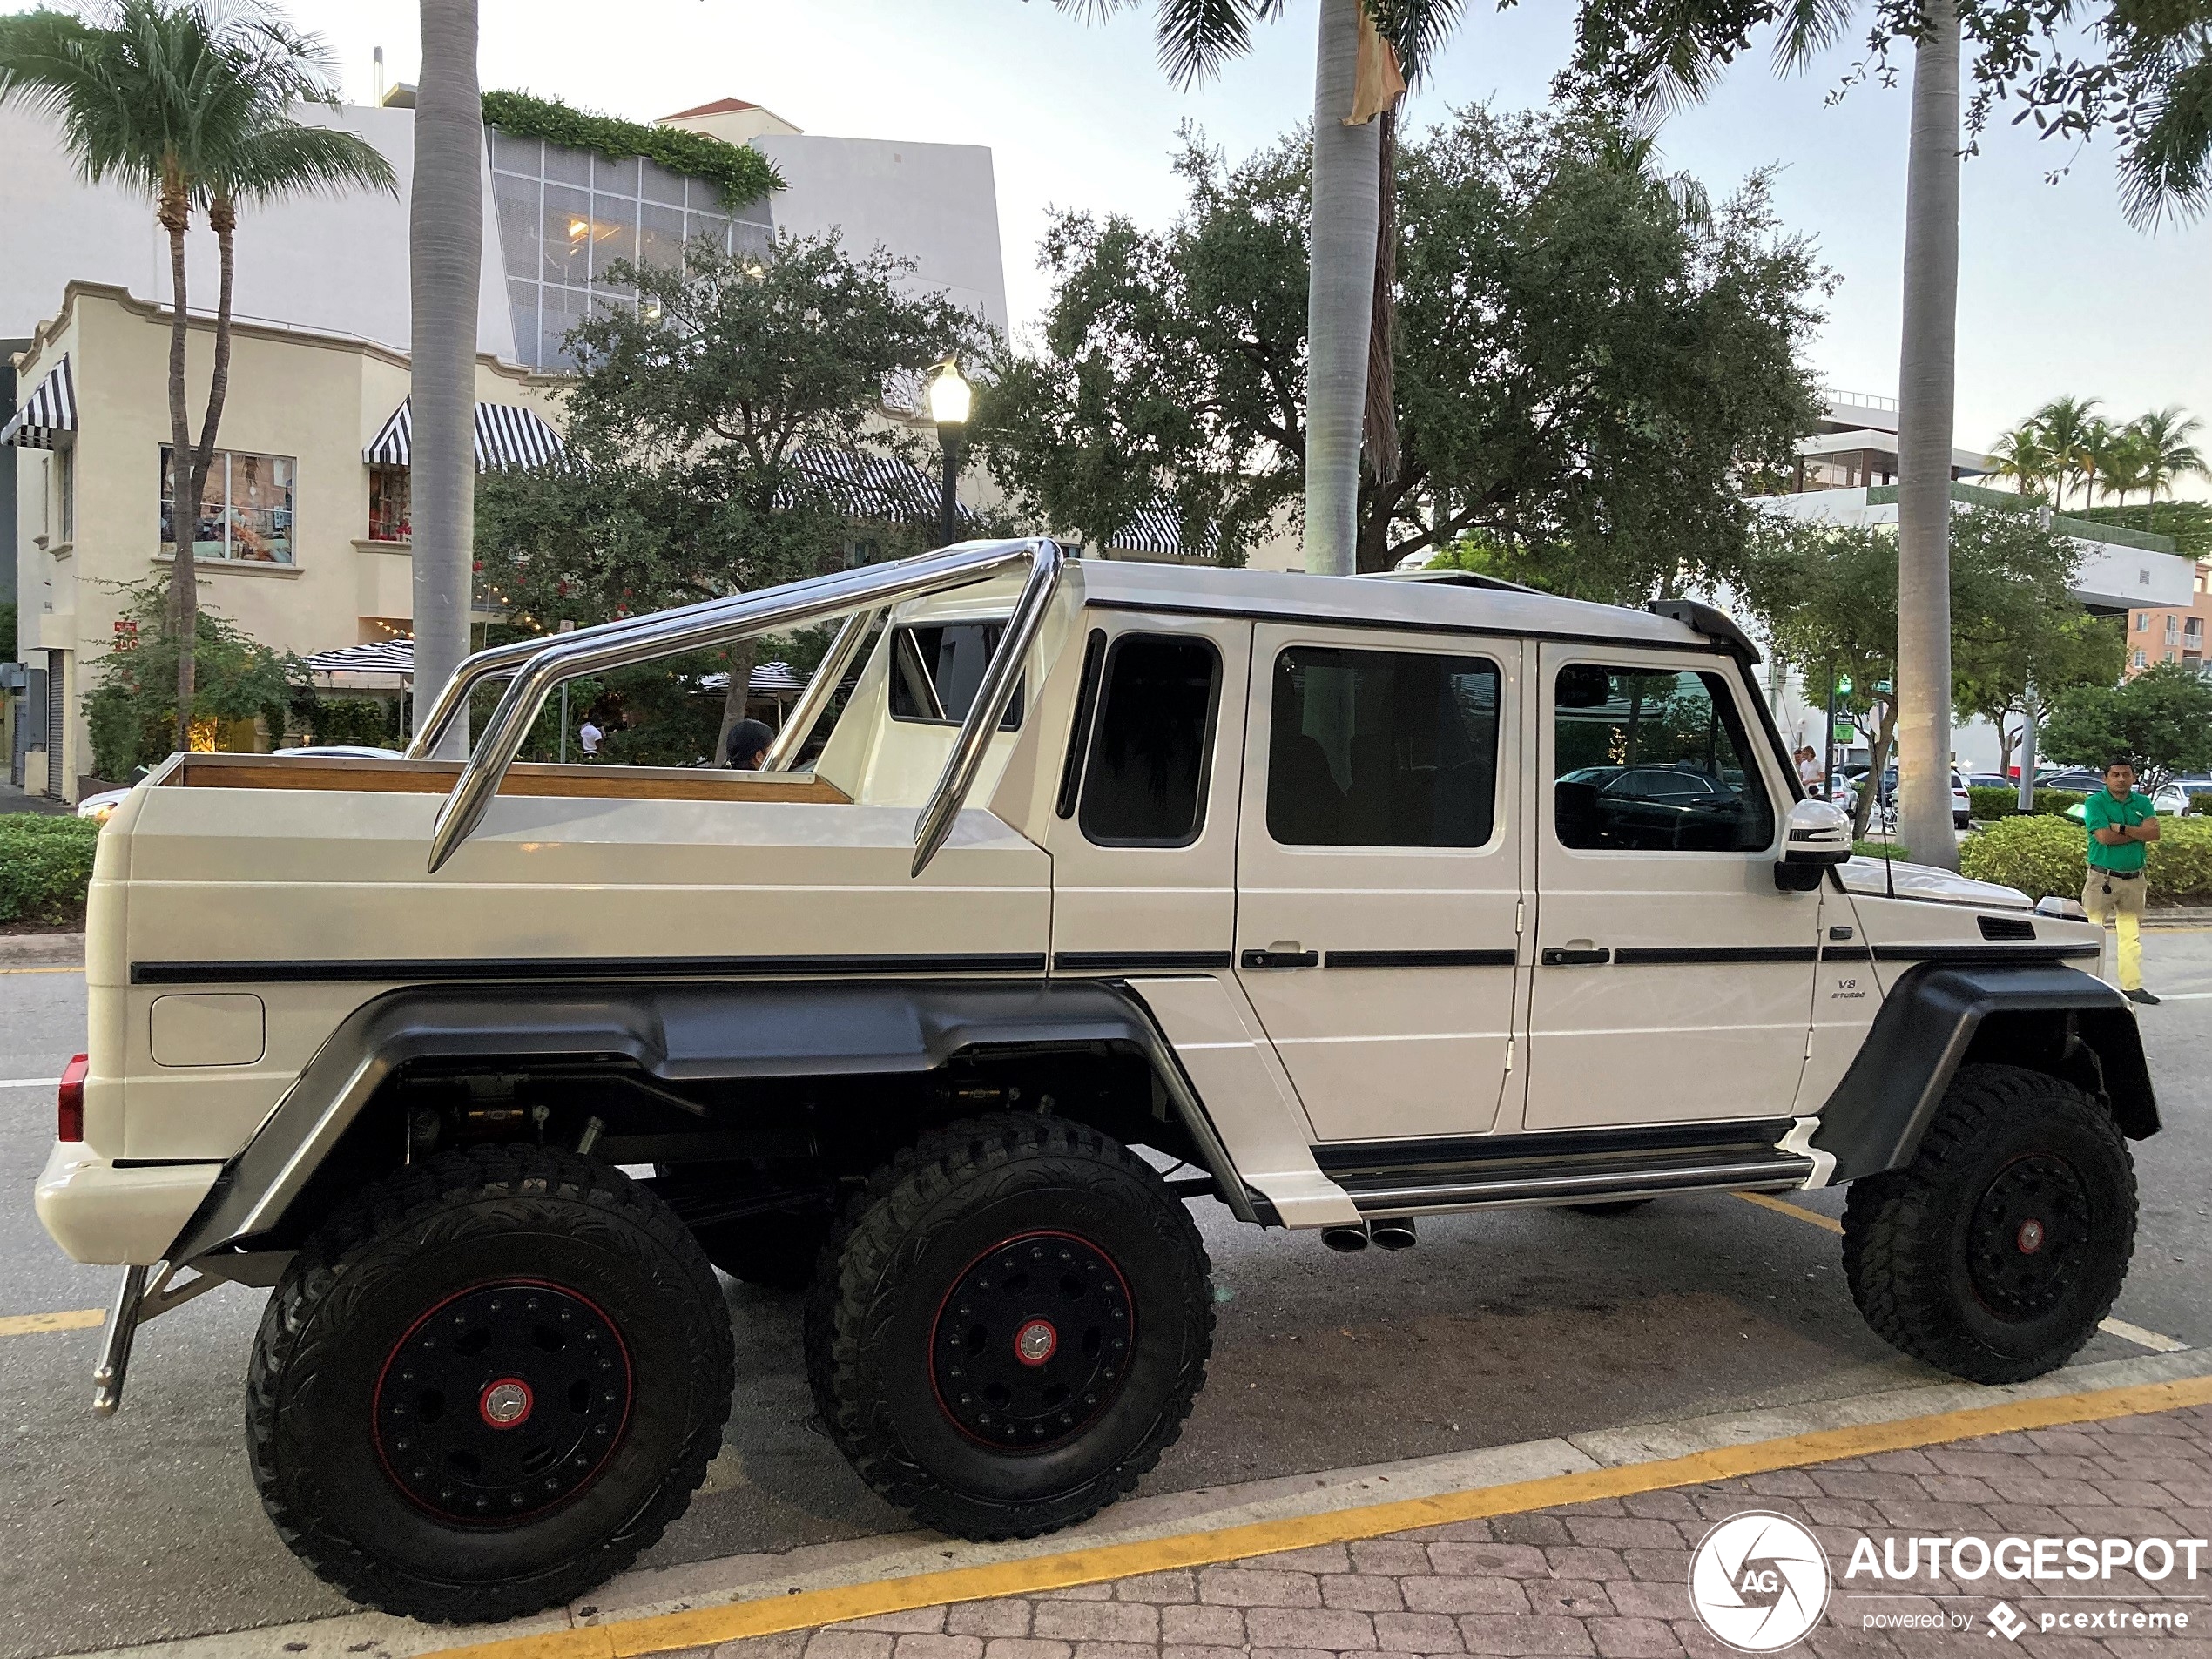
(950, 396)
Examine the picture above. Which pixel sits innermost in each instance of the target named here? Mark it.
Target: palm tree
(1661, 53)
(444, 268)
(2069, 427)
(1347, 301)
(2121, 459)
(190, 108)
(2020, 455)
(2170, 452)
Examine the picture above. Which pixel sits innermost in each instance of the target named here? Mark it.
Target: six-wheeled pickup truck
(1069, 892)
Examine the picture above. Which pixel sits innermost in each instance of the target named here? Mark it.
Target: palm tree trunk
(1340, 296)
(1381, 419)
(184, 483)
(445, 267)
(222, 218)
(1926, 383)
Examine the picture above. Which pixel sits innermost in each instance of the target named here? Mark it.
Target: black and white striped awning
(881, 488)
(386, 657)
(49, 415)
(508, 437)
(1153, 529)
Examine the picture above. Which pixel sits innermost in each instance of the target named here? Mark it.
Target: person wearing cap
(747, 745)
(2121, 825)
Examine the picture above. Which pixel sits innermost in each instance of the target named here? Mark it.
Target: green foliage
(743, 172)
(2189, 523)
(132, 706)
(373, 721)
(2045, 855)
(1880, 850)
(2162, 720)
(1988, 803)
(1586, 357)
(46, 866)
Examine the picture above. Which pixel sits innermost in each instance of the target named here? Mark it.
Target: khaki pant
(2121, 899)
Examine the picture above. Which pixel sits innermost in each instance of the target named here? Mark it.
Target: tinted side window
(935, 671)
(1375, 748)
(1653, 760)
(1144, 782)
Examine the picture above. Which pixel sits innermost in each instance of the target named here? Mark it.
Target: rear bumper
(99, 1213)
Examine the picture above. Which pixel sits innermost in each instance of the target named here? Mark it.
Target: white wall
(333, 263)
(936, 203)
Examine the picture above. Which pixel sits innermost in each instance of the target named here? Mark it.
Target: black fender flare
(2054, 1017)
(675, 1031)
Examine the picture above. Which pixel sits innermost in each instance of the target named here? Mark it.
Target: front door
(1672, 983)
(1378, 876)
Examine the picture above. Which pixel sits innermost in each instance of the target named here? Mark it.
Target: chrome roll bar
(539, 666)
(798, 725)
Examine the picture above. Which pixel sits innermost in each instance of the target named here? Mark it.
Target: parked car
(920, 1028)
(1885, 813)
(2078, 780)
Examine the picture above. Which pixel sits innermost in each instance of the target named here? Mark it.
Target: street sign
(1845, 731)
(1881, 688)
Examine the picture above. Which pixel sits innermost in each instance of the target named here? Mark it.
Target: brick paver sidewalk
(1611, 1578)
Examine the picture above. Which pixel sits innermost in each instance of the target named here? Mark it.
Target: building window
(2138, 659)
(567, 216)
(2143, 622)
(245, 511)
(64, 485)
(2170, 654)
(387, 505)
(2173, 629)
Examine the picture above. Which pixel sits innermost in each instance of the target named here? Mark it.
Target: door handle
(1558, 956)
(1281, 959)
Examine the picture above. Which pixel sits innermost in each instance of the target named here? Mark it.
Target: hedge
(2043, 855)
(743, 172)
(45, 865)
(1987, 802)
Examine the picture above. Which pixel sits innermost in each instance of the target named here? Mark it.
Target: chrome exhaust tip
(1393, 1232)
(1346, 1241)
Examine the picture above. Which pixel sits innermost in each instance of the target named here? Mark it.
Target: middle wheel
(1017, 1319)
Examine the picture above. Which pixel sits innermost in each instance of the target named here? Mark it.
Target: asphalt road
(1499, 1327)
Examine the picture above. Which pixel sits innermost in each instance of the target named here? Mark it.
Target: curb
(42, 950)
(700, 1603)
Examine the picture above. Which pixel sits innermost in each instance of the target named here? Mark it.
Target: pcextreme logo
(1758, 1581)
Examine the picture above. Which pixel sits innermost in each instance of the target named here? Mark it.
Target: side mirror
(1815, 839)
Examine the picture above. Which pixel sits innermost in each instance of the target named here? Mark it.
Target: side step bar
(1565, 1166)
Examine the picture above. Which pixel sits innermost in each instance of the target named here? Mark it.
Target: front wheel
(1996, 1251)
(487, 1383)
(1015, 1320)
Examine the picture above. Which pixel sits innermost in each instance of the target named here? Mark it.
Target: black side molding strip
(1666, 954)
(1136, 961)
(1500, 958)
(1984, 955)
(564, 967)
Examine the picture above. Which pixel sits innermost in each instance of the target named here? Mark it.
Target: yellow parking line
(1826, 1224)
(78, 969)
(25, 1325)
(768, 1615)
(2156, 1341)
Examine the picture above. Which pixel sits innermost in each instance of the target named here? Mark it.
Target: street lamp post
(950, 396)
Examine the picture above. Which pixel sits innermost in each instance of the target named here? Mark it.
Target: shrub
(1879, 850)
(1988, 802)
(2200, 804)
(45, 865)
(2042, 855)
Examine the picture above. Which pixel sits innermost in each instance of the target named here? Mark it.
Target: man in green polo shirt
(2122, 825)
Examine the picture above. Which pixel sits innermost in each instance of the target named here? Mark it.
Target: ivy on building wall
(743, 174)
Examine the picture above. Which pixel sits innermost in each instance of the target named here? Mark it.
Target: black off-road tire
(777, 1251)
(1608, 1206)
(954, 1257)
(1996, 1251)
(565, 1275)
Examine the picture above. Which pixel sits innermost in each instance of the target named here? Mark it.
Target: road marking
(29, 1082)
(78, 969)
(2155, 1341)
(26, 1325)
(767, 1615)
(1827, 1224)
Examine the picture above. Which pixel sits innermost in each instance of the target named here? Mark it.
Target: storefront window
(387, 505)
(245, 511)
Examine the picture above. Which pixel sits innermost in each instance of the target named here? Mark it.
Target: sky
(2057, 293)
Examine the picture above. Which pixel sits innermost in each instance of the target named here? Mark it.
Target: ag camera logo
(1758, 1581)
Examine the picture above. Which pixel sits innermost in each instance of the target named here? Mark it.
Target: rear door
(1378, 874)
(1673, 983)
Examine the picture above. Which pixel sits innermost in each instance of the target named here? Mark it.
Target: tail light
(69, 1114)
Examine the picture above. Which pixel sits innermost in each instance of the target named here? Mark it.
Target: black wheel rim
(503, 1401)
(1032, 1343)
(2029, 1237)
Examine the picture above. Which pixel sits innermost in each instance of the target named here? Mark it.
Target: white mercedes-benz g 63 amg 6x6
(1358, 899)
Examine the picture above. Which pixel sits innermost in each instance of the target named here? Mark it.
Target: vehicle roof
(1373, 600)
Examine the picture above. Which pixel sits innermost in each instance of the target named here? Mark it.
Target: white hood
(1926, 883)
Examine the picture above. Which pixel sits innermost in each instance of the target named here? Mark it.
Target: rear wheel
(1016, 1320)
(487, 1383)
(1995, 1252)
